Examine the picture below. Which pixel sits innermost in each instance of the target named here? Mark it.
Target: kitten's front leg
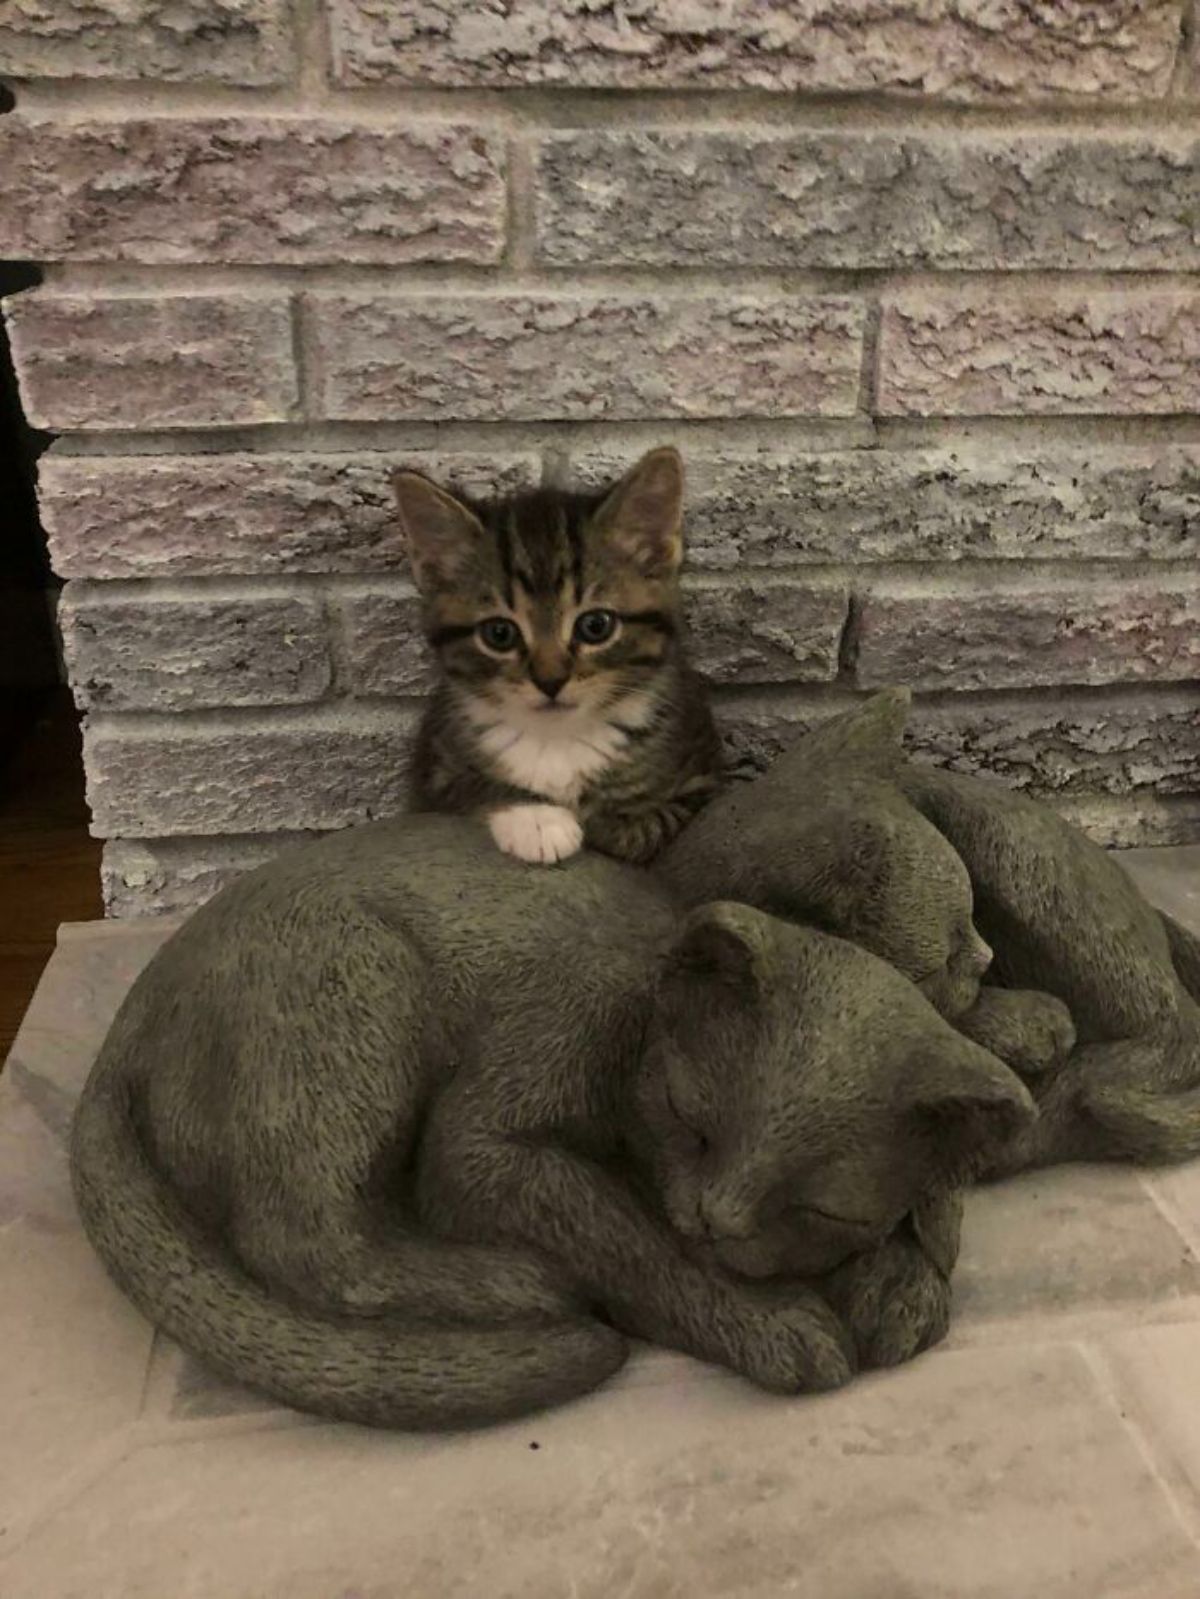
(635, 835)
(536, 832)
(783, 1338)
(521, 824)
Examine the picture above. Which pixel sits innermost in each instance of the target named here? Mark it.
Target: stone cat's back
(431, 888)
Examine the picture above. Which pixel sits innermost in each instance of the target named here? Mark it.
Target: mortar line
(799, 697)
(1165, 1471)
(1175, 1218)
(1182, 76)
(1011, 577)
(552, 109)
(312, 51)
(664, 280)
(1022, 438)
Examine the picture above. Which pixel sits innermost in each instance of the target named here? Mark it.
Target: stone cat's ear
(723, 944)
(643, 516)
(867, 737)
(972, 1100)
(440, 532)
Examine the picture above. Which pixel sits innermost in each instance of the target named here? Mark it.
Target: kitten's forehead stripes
(575, 539)
(451, 632)
(504, 545)
(659, 620)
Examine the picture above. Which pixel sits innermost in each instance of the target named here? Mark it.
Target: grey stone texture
(164, 876)
(192, 653)
(245, 42)
(169, 361)
(767, 630)
(154, 516)
(535, 357)
(1120, 742)
(1057, 1269)
(165, 516)
(1050, 1447)
(758, 197)
(982, 633)
(237, 189)
(965, 50)
(1152, 821)
(1124, 742)
(383, 646)
(1116, 352)
(327, 768)
(1165, 876)
(777, 506)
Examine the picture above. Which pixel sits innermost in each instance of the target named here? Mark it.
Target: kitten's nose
(551, 687)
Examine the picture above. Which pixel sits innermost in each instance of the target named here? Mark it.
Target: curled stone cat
(1089, 992)
(403, 1131)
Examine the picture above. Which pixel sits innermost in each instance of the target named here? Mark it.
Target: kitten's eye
(499, 634)
(595, 627)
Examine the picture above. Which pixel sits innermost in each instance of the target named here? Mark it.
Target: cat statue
(403, 1131)
(1019, 929)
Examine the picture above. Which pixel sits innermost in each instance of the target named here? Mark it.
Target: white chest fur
(556, 753)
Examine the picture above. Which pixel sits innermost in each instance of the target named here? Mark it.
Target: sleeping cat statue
(406, 1132)
(1091, 995)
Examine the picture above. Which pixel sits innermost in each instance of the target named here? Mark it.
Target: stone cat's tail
(378, 1372)
(1185, 954)
(1149, 1128)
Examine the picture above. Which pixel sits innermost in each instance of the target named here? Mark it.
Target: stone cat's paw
(894, 1300)
(1030, 1031)
(1048, 1035)
(539, 833)
(1042, 1034)
(798, 1344)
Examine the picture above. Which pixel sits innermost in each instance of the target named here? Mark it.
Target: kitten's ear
(441, 533)
(723, 943)
(643, 516)
(971, 1098)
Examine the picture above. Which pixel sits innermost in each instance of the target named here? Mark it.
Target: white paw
(542, 833)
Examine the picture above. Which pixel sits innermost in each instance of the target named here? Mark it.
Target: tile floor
(1049, 1450)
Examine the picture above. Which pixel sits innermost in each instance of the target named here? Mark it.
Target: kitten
(566, 710)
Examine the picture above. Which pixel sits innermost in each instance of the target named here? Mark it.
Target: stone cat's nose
(551, 687)
(979, 953)
(727, 1216)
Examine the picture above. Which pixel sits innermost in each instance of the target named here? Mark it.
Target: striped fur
(561, 732)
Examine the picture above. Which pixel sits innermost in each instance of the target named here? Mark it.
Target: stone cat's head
(549, 602)
(827, 838)
(799, 1096)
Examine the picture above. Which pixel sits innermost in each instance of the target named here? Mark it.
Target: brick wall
(913, 287)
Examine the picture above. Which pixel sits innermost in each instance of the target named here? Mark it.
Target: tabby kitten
(566, 711)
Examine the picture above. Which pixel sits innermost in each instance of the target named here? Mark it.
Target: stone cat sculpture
(1091, 994)
(405, 1132)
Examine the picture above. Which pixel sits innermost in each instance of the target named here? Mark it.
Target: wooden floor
(49, 866)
